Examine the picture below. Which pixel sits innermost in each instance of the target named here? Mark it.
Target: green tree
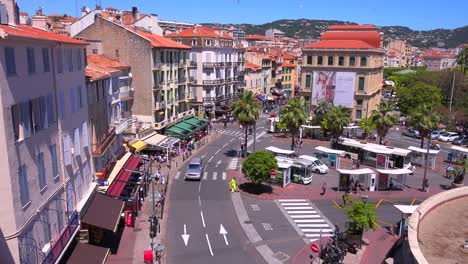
(257, 166)
(294, 117)
(246, 110)
(418, 94)
(424, 119)
(320, 112)
(362, 215)
(336, 119)
(367, 125)
(383, 119)
(462, 59)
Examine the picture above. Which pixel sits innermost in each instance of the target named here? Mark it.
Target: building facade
(345, 68)
(219, 66)
(274, 33)
(399, 54)
(46, 160)
(266, 64)
(438, 60)
(253, 78)
(160, 69)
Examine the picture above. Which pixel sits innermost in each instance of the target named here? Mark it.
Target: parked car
(194, 169)
(448, 136)
(436, 134)
(411, 133)
(459, 140)
(317, 165)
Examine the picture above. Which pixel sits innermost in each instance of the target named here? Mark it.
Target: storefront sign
(381, 160)
(83, 236)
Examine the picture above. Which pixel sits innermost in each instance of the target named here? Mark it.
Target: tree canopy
(294, 117)
(362, 215)
(424, 119)
(257, 166)
(418, 94)
(336, 119)
(246, 110)
(383, 119)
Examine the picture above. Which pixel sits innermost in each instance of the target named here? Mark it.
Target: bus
(301, 169)
(271, 124)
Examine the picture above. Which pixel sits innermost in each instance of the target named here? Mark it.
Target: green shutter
(361, 83)
(308, 81)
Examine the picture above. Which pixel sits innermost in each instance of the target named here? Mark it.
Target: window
(84, 133)
(24, 188)
(41, 171)
(45, 59)
(31, 60)
(58, 207)
(352, 61)
(363, 61)
(53, 155)
(76, 143)
(208, 42)
(36, 115)
(46, 225)
(66, 150)
(72, 101)
(26, 118)
(341, 61)
(359, 102)
(331, 60)
(319, 60)
(308, 81)
(80, 96)
(62, 104)
(59, 61)
(17, 125)
(10, 61)
(361, 84)
(309, 59)
(117, 53)
(358, 114)
(95, 51)
(79, 58)
(50, 109)
(70, 60)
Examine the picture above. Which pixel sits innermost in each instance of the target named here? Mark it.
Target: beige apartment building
(253, 78)
(46, 161)
(399, 53)
(345, 68)
(265, 62)
(160, 70)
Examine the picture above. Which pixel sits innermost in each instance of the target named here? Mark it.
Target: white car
(448, 136)
(317, 165)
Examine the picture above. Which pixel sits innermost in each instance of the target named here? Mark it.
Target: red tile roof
(371, 37)
(100, 66)
(199, 31)
(254, 37)
(111, 8)
(159, 41)
(104, 61)
(127, 19)
(95, 74)
(287, 56)
(252, 66)
(24, 31)
(288, 65)
(339, 44)
(352, 27)
(23, 13)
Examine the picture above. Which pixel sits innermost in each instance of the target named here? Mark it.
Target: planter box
(457, 185)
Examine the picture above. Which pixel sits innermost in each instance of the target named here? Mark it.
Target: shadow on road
(256, 189)
(231, 153)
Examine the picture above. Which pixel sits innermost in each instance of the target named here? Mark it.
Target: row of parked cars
(440, 135)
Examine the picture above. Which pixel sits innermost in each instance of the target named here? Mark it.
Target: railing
(159, 105)
(193, 64)
(157, 65)
(160, 124)
(125, 92)
(182, 63)
(182, 80)
(208, 64)
(209, 99)
(228, 63)
(192, 79)
(157, 86)
(217, 81)
(122, 125)
(65, 236)
(101, 146)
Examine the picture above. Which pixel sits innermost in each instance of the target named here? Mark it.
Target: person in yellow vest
(233, 185)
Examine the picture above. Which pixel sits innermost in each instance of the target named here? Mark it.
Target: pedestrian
(324, 188)
(240, 127)
(354, 164)
(345, 198)
(357, 186)
(358, 164)
(233, 185)
(426, 185)
(301, 142)
(351, 184)
(448, 171)
(391, 183)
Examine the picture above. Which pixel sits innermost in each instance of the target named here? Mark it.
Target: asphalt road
(201, 207)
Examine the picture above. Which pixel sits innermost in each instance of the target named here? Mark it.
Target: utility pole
(451, 94)
(426, 162)
(255, 136)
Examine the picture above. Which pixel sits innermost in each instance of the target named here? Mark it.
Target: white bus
(271, 124)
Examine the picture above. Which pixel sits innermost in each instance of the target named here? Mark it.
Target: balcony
(101, 147)
(208, 65)
(228, 63)
(125, 93)
(160, 124)
(158, 86)
(193, 79)
(159, 105)
(193, 64)
(229, 79)
(53, 255)
(182, 80)
(157, 65)
(213, 82)
(182, 63)
(122, 125)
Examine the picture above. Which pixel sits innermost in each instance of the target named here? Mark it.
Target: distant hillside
(311, 29)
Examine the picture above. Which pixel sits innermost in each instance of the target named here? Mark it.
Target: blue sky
(421, 15)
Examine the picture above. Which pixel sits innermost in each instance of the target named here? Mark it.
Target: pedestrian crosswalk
(207, 176)
(233, 164)
(235, 133)
(306, 218)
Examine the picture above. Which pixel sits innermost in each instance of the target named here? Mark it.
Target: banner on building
(337, 88)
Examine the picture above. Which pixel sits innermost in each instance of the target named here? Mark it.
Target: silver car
(194, 169)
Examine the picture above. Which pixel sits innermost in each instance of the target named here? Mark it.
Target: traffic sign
(315, 248)
(273, 173)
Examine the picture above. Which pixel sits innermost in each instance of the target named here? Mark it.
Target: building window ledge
(43, 189)
(26, 205)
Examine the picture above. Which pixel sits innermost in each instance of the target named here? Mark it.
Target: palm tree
(384, 119)
(246, 110)
(320, 112)
(336, 119)
(367, 125)
(294, 117)
(424, 119)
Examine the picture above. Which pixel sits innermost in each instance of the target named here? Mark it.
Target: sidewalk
(136, 240)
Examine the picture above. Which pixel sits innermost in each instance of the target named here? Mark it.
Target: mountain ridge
(312, 28)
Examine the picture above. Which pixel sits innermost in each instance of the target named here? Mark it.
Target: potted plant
(459, 175)
(362, 216)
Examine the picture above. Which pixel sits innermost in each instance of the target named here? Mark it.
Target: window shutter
(50, 109)
(84, 132)
(72, 101)
(66, 150)
(77, 142)
(44, 116)
(62, 105)
(26, 118)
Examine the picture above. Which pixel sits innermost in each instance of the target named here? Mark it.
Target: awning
(280, 151)
(261, 97)
(117, 167)
(194, 121)
(396, 171)
(406, 209)
(202, 119)
(103, 212)
(185, 126)
(139, 145)
(86, 253)
(176, 132)
(284, 165)
(424, 151)
(154, 139)
(120, 181)
(311, 127)
(330, 151)
(457, 148)
(377, 150)
(356, 172)
(168, 142)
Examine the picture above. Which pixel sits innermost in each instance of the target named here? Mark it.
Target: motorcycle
(435, 146)
(410, 167)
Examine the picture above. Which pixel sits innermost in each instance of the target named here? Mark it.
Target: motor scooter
(435, 146)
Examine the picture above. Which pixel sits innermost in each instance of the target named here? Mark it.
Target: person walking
(345, 198)
(324, 188)
(426, 185)
(358, 164)
(233, 185)
(354, 164)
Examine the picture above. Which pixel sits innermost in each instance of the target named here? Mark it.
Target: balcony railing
(182, 80)
(208, 64)
(58, 247)
(123, 124)
(159, 105)
(193, 64)
(125, 92)
(213, 82)
(192, 79)
(158, 86)
(157, 65)
(101, 146)
(228, 63)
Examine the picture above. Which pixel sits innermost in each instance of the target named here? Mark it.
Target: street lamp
(364, 198)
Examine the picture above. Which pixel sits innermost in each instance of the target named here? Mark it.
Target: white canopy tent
(362, 175)
(332, 156)
(406, 212)
(280, 152)
(387, 178)
(417, 155)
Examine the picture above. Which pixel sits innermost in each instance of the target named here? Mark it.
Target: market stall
(365, 177)
(392, 179)
(331, 157)
(417, 156)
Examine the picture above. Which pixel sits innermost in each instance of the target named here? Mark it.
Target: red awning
(117, 186)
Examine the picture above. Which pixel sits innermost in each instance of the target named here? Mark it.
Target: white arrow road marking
(185, 237)
(202, 219)
(224, 176)
(218, 163)
(205, 175)
(223, 232)
(209, 245)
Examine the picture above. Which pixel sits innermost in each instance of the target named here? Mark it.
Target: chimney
(135, 13)
(39, 20)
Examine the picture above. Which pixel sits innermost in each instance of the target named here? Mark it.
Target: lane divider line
(209, 244)
(203, 219)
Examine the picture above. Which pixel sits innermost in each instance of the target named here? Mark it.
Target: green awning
(202, 119)
(177, 130)
(184, 127)
(189, 125)
(193, 121)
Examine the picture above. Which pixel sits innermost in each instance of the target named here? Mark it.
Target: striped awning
(139, 145)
